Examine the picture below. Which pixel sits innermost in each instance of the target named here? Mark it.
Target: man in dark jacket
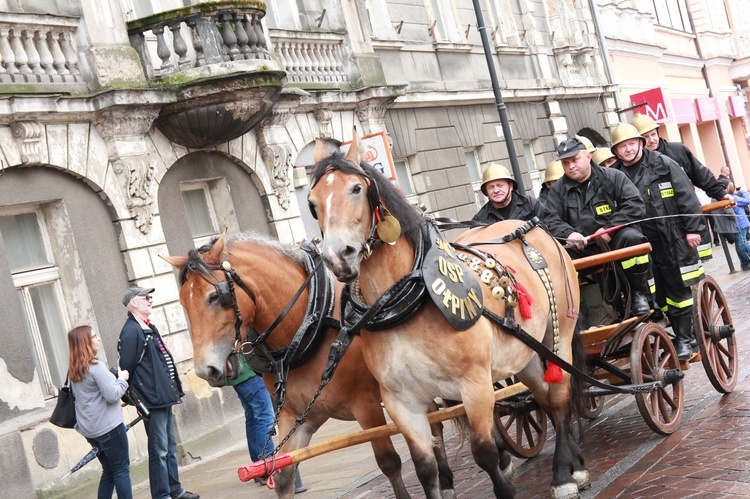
(505, 202)
(674, 237)
(699, 175)
(590, 199)
(154, 380)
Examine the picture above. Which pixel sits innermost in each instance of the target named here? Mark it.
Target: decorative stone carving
(278, 117)
(122, 123)
(372, 118)
(29, 134)
(279, 157)
(139, 175)
(324, 117)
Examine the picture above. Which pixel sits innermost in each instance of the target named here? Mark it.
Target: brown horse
(425, 357)
(273, 273)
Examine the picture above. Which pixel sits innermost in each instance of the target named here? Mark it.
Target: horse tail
(579, 399)
(460, 423)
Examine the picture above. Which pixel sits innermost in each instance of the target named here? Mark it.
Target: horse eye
(213, 297)
(357, 189)
(312, 210)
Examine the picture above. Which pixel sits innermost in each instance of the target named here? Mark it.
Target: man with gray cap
(589, 199)
(154, 380)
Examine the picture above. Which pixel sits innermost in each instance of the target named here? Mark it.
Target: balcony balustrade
(38, 49)
(310, 57)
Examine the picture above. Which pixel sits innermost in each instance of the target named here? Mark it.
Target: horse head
(351, 201)
(203, 294)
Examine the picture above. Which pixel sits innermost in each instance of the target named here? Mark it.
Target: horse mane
(407, 215)
(197, 265)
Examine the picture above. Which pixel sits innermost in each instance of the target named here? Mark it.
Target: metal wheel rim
(653, 351)
(719, 359)
(524, 432)
(594, 406)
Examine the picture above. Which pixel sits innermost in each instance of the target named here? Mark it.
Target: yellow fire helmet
(643, 123)
(495, 172)
(623, 132)
(601, 154)
(586, 142)
(553, 172)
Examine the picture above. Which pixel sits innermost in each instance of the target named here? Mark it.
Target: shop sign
(684, 111)
(373, 149)
(736, 106)
(655, 106)
(707, 109)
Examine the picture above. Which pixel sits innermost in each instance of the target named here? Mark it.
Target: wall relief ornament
(324, 117)
(279, 157)
(29, 134)
(139, 174)
(372, 118)
(120, 123)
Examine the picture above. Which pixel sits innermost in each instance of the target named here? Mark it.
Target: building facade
(688, 60)
(139, 128)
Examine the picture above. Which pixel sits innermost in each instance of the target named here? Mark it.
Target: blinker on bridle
(384, 227)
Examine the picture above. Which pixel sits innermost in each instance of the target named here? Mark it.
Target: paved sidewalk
(710, 453)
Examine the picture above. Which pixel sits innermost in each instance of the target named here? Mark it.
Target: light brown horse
(426, 357)
(273, 274)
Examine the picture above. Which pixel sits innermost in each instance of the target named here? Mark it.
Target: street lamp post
(501, 109)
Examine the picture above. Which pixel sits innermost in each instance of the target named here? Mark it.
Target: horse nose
(214, 375)
(349, 252)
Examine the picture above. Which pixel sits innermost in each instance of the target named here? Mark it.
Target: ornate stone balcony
(215, 56)
(38, 53)
(310, 57)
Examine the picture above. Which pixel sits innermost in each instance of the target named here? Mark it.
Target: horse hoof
(448, 494)
(564, 491)
(510, 471)
(582, 478)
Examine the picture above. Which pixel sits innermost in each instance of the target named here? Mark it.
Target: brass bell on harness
(490, 263)
(498, 292)
(389, 229)
(226, 265)
(504, 280)
(512, 301)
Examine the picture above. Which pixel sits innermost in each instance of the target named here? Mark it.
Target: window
(200, 212)
(403, 176)
(475, 175)
(498, 32)
(36, 277)
(672, 14)
(536, 181)
(380, 21)
(717, 15)
(443, 21)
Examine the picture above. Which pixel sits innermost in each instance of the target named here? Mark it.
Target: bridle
(377, 210)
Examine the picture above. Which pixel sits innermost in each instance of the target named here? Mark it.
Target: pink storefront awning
(736, 106)
(707, 109)
(684, 111)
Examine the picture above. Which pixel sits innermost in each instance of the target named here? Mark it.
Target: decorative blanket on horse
(455, 291)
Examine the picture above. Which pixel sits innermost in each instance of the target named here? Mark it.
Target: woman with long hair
(98, 411)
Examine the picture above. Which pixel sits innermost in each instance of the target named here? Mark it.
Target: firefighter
(698, 174)
(589, 199)
(673, 225)
(552, 173)
(603, 157)
(505, 202)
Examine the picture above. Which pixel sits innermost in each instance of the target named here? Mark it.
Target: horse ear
(321, 151)
(214, 254)
(175, 261)
(353, 153)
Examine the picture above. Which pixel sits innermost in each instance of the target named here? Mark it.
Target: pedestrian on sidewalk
(98, 411)
(155, 381)
(742, 199)
(256, 401)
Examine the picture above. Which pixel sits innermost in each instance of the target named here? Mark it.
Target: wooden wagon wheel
(653, 358)
(712, 324)
(522, 423)
(593, 406)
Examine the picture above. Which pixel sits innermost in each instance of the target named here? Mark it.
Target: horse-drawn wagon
(504, 305)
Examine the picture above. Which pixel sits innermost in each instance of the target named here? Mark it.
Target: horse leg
(413, 424)
(505, 459)
(284, 477)
(479, 403)
(386, 456)
(568, 470)
(445, 474)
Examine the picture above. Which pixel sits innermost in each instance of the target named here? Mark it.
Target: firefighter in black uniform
(698, 174)
(669, 195)
(590, 199)
(552, 173)
(505, 202)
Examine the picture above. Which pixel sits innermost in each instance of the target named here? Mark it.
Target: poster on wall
(373, 149)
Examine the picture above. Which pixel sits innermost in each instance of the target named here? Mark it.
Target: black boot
(639, 304)
(639, 292)
(683, 330)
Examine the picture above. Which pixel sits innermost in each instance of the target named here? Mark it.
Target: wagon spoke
(663, 409)
(510, 421)
(668, 398)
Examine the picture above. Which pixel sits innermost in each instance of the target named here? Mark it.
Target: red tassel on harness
(554, 374)
(524, 301)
